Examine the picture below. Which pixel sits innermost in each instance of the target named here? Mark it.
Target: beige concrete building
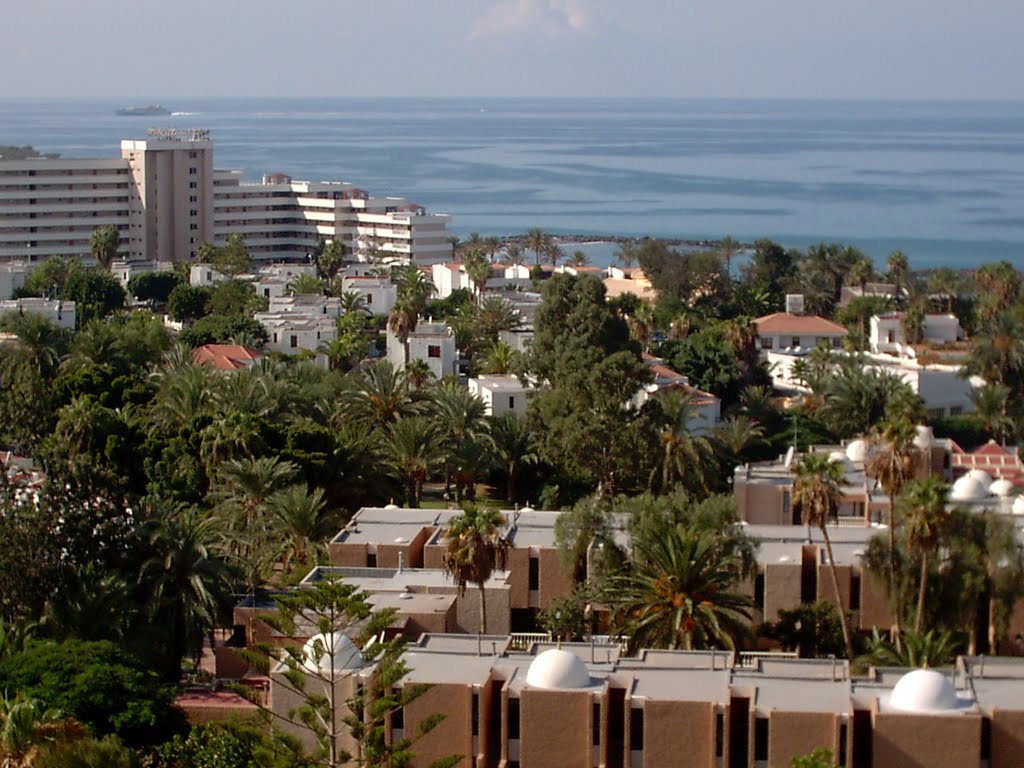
(582, 705)
(166, 199)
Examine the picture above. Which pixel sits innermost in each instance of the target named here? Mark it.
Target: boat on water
(146, 111)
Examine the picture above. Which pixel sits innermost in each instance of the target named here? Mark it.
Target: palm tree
(499, 360)
(553, 252)
(945, 284)
(478, 270)
(513, 448)
(727, 248)
(514, 254)
(924, 513)
(738, 435)
(998, 354)
(931, 649)
(816, 492)
(353, 301)
(578, 259)
(678, 593)
(40, 342)
(382, 395)
(536, 240)
(418, 374)
(990, 409)
(243, 494)
(474, 547)
(411, 454)
(306, 284)
(103, 244)
(460, 425)
(491, 246)
(187, 579)
(402, 322)
(625, 254)
(898, 267)
(891, 463)
(301, 519)
(686, 458)
(860, 274)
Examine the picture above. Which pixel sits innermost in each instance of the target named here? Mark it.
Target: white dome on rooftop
(924, 691)
(1018, 505)
(857, 450)
(557, 669)
(1001, 487)
(968, 489)
(320, 649)
(981, 476)
(391, 506)
(924, 438)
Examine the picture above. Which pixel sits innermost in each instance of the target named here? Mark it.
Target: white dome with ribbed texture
(968, 489)
(857, 450)
(981, 476)
(1002, 487)
(320, 649)
(1018, 506)
(924, 691)
(556, 669)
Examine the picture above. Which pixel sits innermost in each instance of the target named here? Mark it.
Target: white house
(379, 293)
(433, 343)
(203, 274)
(276, 279)
(501, 393)
(886, 334)
(60, 313)
(705, 408)
(307, 304)
(784, 330)
(448, 278)
(293, 332)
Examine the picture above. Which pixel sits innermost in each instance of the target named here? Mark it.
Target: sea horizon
(941, 180)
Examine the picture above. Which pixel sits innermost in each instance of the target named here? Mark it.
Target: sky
(843, 49)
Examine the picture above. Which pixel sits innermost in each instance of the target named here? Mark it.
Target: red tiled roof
(225, 357)
(786, 322)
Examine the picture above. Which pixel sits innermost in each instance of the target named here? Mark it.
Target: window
(534, 573)
(595, 733)
(761, 738)
(511, 402)
(854, 592)
(193, 171)
(890, 336)
(636, 729)
(294, 341)
(955, 410)
(369, 299)
(398, 719)
(513, 718)
(192, 185)
(796, 341)
(759, 591)
(842, 745)
(766, 342)
(371, 560)
(476, 713)
(719, 735)
(434, 350)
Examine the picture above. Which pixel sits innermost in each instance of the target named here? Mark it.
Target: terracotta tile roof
(786, 322)
(225, 357)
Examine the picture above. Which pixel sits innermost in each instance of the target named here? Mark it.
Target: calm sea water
(944, 182)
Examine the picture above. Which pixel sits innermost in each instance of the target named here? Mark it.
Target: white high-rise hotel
(166, 198)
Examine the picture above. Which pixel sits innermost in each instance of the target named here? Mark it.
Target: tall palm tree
(625, 254)
(491, 246)
(686, 458)
(553, 252)
(738, 436)
(678, 594)
(411, 454)
(924, 514)
(353, 301)
(891, 463)
(536, 240)
(40, 342)
(244, 492)
(381, 395)
(460, 425)
(499, 359)
(513, 449)
(514, 254)
(727, 248)
(301, 519)
(990, 409)
(188, 579)
(946, 284)
(860, 274)
(816, 492)
(474, 547)
(997, 354)
(898, 267)
(578, 259)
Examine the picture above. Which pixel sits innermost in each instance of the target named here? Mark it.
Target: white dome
(857, 450)
(923, 440)
(981, 476)
(391, 506)
(1018, 505)
(1001, 487)
(924, 690)
(319, 649)
(968, 489)
(840, 458)
(556, 668)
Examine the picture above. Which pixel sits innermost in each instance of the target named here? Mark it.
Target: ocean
(941, 181)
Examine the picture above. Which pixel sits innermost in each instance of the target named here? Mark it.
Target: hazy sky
(681, 48)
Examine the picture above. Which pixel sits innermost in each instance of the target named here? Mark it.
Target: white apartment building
(166, 199)
(60, 313)
(379, 293)
(12, 277)
(434, 343)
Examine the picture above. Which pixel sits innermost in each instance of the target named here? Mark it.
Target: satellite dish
(790, 452)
